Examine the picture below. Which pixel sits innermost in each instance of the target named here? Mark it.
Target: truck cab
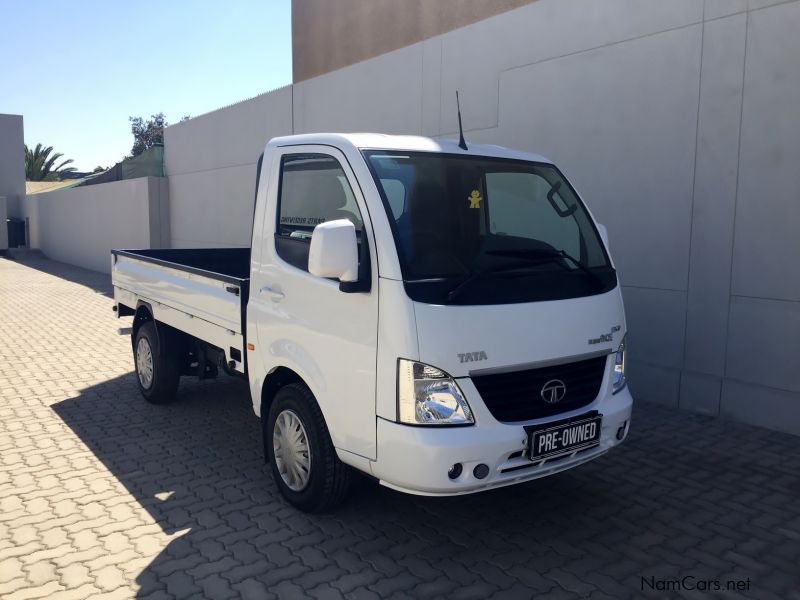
(444, 320)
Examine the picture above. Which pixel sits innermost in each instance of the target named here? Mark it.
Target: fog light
(480, 471)
(455, 471)
(623, 429)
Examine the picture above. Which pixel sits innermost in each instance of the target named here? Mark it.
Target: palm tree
(39, 164)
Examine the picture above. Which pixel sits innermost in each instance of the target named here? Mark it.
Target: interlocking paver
(216, 587)
(103, 494)
(109, 578)
(75, 575)
(12, 585)
(35, 591)
(41, 572)
(74, 591)
(182, 585)
(325, 592)
(251, 589)
(10, 568)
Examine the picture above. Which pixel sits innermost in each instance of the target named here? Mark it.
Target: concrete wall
(12, 163)
(3, 230)
(330, 35)
(81, 225)
(211, 164)
(677, 120)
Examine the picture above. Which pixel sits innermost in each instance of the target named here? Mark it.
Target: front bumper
(416, 460)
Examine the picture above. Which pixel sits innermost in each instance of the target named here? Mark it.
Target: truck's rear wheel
(304, 463)
(157, 372)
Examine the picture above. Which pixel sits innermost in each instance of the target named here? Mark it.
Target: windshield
(480, 230)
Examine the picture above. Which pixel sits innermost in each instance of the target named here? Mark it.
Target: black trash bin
(16, 233)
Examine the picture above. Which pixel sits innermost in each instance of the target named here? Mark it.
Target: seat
(431, 237)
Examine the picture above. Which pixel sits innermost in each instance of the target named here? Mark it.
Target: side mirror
(334, 251)
(603, 234)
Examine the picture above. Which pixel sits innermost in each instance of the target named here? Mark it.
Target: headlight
(428, 396)
(618, 376)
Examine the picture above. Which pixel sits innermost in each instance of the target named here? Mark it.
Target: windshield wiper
(537, 255)
(551, 255)
(475, 275)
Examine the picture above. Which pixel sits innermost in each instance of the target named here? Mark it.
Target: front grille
(517, 396)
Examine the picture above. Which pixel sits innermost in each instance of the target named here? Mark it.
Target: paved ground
(101, 493)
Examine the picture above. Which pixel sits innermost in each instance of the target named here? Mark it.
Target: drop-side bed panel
(205, 304)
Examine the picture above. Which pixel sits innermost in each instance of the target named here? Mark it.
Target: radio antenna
(461, 143)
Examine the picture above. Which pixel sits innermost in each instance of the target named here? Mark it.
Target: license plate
(564, 438)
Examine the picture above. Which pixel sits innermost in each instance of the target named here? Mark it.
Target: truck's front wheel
(304, 463)
(156, 371)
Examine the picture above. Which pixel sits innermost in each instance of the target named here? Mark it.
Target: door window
(313, 189)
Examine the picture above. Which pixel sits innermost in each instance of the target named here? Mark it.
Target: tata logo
(553, 391)
(472, 356)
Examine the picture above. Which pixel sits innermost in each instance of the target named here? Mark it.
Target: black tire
(162, 385)
(328, 478)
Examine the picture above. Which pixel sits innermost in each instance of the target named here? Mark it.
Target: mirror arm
(364, 281)
(551, 199)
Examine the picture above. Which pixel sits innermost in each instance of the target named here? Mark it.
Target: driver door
(327, 336)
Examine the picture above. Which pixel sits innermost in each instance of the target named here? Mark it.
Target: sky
(76, 71)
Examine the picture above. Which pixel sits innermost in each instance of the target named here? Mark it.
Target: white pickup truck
(446, 320)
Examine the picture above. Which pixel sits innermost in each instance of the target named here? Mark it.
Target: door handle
(273, 295)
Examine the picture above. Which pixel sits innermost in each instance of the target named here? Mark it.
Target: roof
(39, 187)
(409, 143)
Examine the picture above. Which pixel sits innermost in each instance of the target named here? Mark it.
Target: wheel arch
(273, 382)
(142, 315)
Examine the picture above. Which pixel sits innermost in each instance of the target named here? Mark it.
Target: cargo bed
(202, 291)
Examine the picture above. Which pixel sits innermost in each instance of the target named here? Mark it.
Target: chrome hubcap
(291, 450)
(144, 363)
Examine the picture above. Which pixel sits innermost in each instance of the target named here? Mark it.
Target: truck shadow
(197, 467)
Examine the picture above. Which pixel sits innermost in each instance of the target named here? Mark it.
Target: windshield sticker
(475, 199)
